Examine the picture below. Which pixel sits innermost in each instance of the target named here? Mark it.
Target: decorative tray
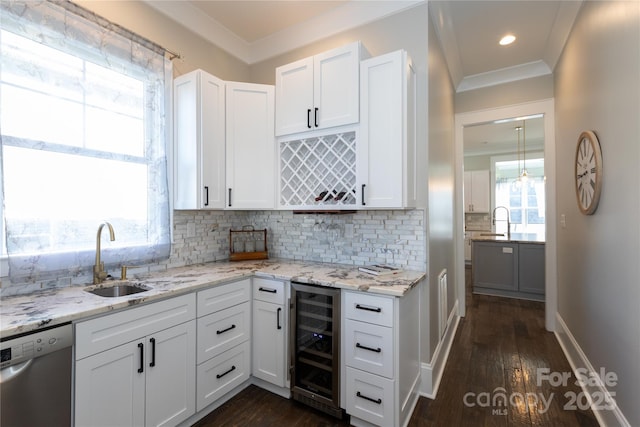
(247, 244)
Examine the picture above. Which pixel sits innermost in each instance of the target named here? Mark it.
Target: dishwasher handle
(9, 373)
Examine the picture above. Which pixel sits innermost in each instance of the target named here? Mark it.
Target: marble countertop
(24, 313)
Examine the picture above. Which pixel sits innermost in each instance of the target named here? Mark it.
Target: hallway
(501, 343)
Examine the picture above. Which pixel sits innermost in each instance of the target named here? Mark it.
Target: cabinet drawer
(103, 333)
(369, 308)
(221, 374)
(223, 330)
(370, 397)
(369, 347)
(268, 290)
(224, 296)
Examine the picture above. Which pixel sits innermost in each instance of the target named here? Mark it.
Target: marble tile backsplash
(392, 237)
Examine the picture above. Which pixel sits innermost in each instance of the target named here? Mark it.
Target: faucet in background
(508, 221)
(98, 269)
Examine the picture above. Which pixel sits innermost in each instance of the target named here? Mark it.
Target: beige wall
(597, 87)
(533, 89)
(196, 52)
(441, 179)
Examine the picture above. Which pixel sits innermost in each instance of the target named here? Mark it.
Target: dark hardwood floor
(498, 349)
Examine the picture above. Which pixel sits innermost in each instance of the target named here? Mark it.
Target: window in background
(83, 141)
(525, 199)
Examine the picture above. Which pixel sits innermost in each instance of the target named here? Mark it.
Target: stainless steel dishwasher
(35, 378)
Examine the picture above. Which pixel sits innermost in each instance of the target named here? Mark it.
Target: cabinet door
(110, 387)
(386, 133)
(495, 265)
(481, 191)
(171, 375)
(336, 86)
(199, 141)
(268, 342)
(212, 118)
(531, 268)
(250, 146)
(294, 97)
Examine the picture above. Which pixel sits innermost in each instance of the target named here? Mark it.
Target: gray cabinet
(512, 269)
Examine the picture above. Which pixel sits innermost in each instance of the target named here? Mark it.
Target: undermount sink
(120, 289)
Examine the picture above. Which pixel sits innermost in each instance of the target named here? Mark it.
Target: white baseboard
(432, 371)
(582, 368)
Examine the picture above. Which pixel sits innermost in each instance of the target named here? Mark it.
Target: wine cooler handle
(279, 311)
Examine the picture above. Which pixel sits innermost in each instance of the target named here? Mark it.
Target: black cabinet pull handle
(364, 307)
(377, 401)
(309, 118)
(229, 197)
(206, 195)
(364, 347)
(153, 352)
(271, 291)
(362, 194)
(226, 330)
(233, 368)
(278, 317)
(141, 348)
(316, 117)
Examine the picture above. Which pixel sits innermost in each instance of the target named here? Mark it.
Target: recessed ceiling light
(508, 39)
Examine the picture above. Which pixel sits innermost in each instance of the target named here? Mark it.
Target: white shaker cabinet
(250, 146)
(386, 152)
(381, 351)
(269, 331)
(477, 186)
(318, 92)
(137, 367)
(199, 141)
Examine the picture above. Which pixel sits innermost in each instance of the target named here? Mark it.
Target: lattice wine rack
(319, 171)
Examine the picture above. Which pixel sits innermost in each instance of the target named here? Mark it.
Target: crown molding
(350, 15)
(504, 75)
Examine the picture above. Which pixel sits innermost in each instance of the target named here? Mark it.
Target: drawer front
(369, 308)
(223, 330)
(370, 397)
(223, 296)
(369, 347)
(103, 333)
(268, 290)
(221, 374)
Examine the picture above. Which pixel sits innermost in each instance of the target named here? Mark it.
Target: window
(83, 141)
(525, 199)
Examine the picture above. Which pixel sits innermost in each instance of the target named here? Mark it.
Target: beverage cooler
(315, 347)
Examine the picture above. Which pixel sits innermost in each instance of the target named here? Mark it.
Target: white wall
(441, 170)
(597, 87)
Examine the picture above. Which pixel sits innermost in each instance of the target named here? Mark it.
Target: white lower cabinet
(222, 373)
(148, 381)
(381, 356)
(224, 347)
(269, 331)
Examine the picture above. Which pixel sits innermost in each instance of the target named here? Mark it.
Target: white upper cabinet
(318, 92)
(477, 193)
(250, 146)
(199, 141)
(386, 151)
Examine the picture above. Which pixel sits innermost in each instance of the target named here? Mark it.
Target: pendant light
(518, 182)
(524, 176)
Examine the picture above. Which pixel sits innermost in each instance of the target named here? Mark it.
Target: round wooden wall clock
(588, 172)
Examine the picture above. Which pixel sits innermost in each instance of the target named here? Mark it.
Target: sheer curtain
(84, 108)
